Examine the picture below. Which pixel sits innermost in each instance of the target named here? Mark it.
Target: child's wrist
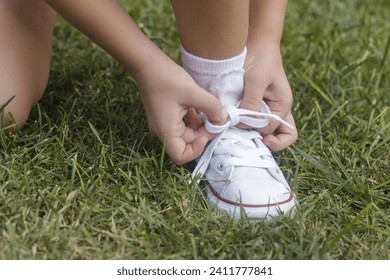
(151, 69)
(145, 62)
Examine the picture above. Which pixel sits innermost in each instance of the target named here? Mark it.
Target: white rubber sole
(253, 213)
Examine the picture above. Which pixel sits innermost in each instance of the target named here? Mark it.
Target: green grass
(85, 180)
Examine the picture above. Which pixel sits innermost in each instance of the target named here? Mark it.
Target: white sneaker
(241, 174)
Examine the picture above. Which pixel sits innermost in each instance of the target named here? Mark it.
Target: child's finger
(188, 146)
(283, 138)
(253, 94)
(181, 152)
(279, 109)
(208, 104)
(193, 120)
(190, 135)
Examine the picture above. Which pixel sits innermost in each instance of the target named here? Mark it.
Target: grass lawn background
(85, 180)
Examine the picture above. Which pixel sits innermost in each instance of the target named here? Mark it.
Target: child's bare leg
(25, 33)
(215, 29)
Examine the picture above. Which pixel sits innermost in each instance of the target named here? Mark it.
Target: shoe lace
(253, 157)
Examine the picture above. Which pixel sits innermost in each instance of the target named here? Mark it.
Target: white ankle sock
(222, 78)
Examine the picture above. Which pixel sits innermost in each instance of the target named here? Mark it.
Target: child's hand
(266, 80)
(169, 94)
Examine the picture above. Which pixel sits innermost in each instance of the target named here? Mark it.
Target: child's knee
(18, 95)
(14, 112)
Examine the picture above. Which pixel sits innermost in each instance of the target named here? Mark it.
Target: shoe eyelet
(221, 166)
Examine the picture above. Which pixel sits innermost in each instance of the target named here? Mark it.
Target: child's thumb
(253, 95)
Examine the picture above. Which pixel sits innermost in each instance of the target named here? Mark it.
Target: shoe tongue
(236, 144)
(229, 89)
(250, 144)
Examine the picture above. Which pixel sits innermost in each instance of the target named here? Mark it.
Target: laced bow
(236, 115)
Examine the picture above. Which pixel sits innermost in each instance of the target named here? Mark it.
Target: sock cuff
(211, 67)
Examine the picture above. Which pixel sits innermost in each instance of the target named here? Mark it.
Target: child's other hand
(266, 80)
(169, 94)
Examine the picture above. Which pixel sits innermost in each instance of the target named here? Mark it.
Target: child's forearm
(266, 20)
(109, 26)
